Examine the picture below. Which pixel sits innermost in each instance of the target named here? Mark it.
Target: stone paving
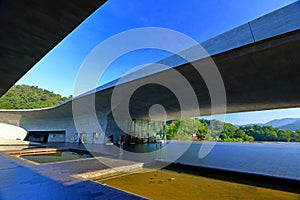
(20, 179)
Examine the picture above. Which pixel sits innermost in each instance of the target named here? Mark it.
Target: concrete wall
(57, 137)
(112, 128)
(50, 125)
(83, 125)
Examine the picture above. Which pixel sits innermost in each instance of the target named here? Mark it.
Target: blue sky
(198, 19)
(261, 116)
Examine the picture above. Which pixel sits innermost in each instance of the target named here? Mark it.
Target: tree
(184, 129)
(27, 97)
(202, 130)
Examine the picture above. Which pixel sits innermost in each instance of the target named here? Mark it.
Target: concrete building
(258, 63)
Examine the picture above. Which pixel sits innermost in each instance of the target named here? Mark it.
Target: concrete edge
(111, 171)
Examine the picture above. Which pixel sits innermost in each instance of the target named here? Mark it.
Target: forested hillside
(27, 97)
(202, 129)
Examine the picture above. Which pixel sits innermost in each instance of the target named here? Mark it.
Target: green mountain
(28, 97)
(202, 129)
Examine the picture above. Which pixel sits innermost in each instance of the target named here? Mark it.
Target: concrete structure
(30, 29)
(258, 61)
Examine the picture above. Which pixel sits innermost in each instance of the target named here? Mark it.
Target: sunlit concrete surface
(12, 132)
(30, 29)
(269, 159)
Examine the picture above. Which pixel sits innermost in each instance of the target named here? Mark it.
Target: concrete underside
(258, 63)
(29, 29)
(258, 76)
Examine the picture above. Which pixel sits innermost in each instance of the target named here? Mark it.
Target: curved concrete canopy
(31, 28)
(259, 76)
(259, 63)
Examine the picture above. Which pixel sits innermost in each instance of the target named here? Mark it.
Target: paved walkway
(25, 180)
(20, 179)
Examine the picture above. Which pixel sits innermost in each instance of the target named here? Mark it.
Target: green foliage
(269, 133)
(187, 129)
(181, 129)
(231, 133)
(28, 97)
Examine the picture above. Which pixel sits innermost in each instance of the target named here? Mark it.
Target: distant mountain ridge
(284, 123)
(281, 122)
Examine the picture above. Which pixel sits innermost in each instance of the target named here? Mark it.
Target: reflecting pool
(165, 184)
